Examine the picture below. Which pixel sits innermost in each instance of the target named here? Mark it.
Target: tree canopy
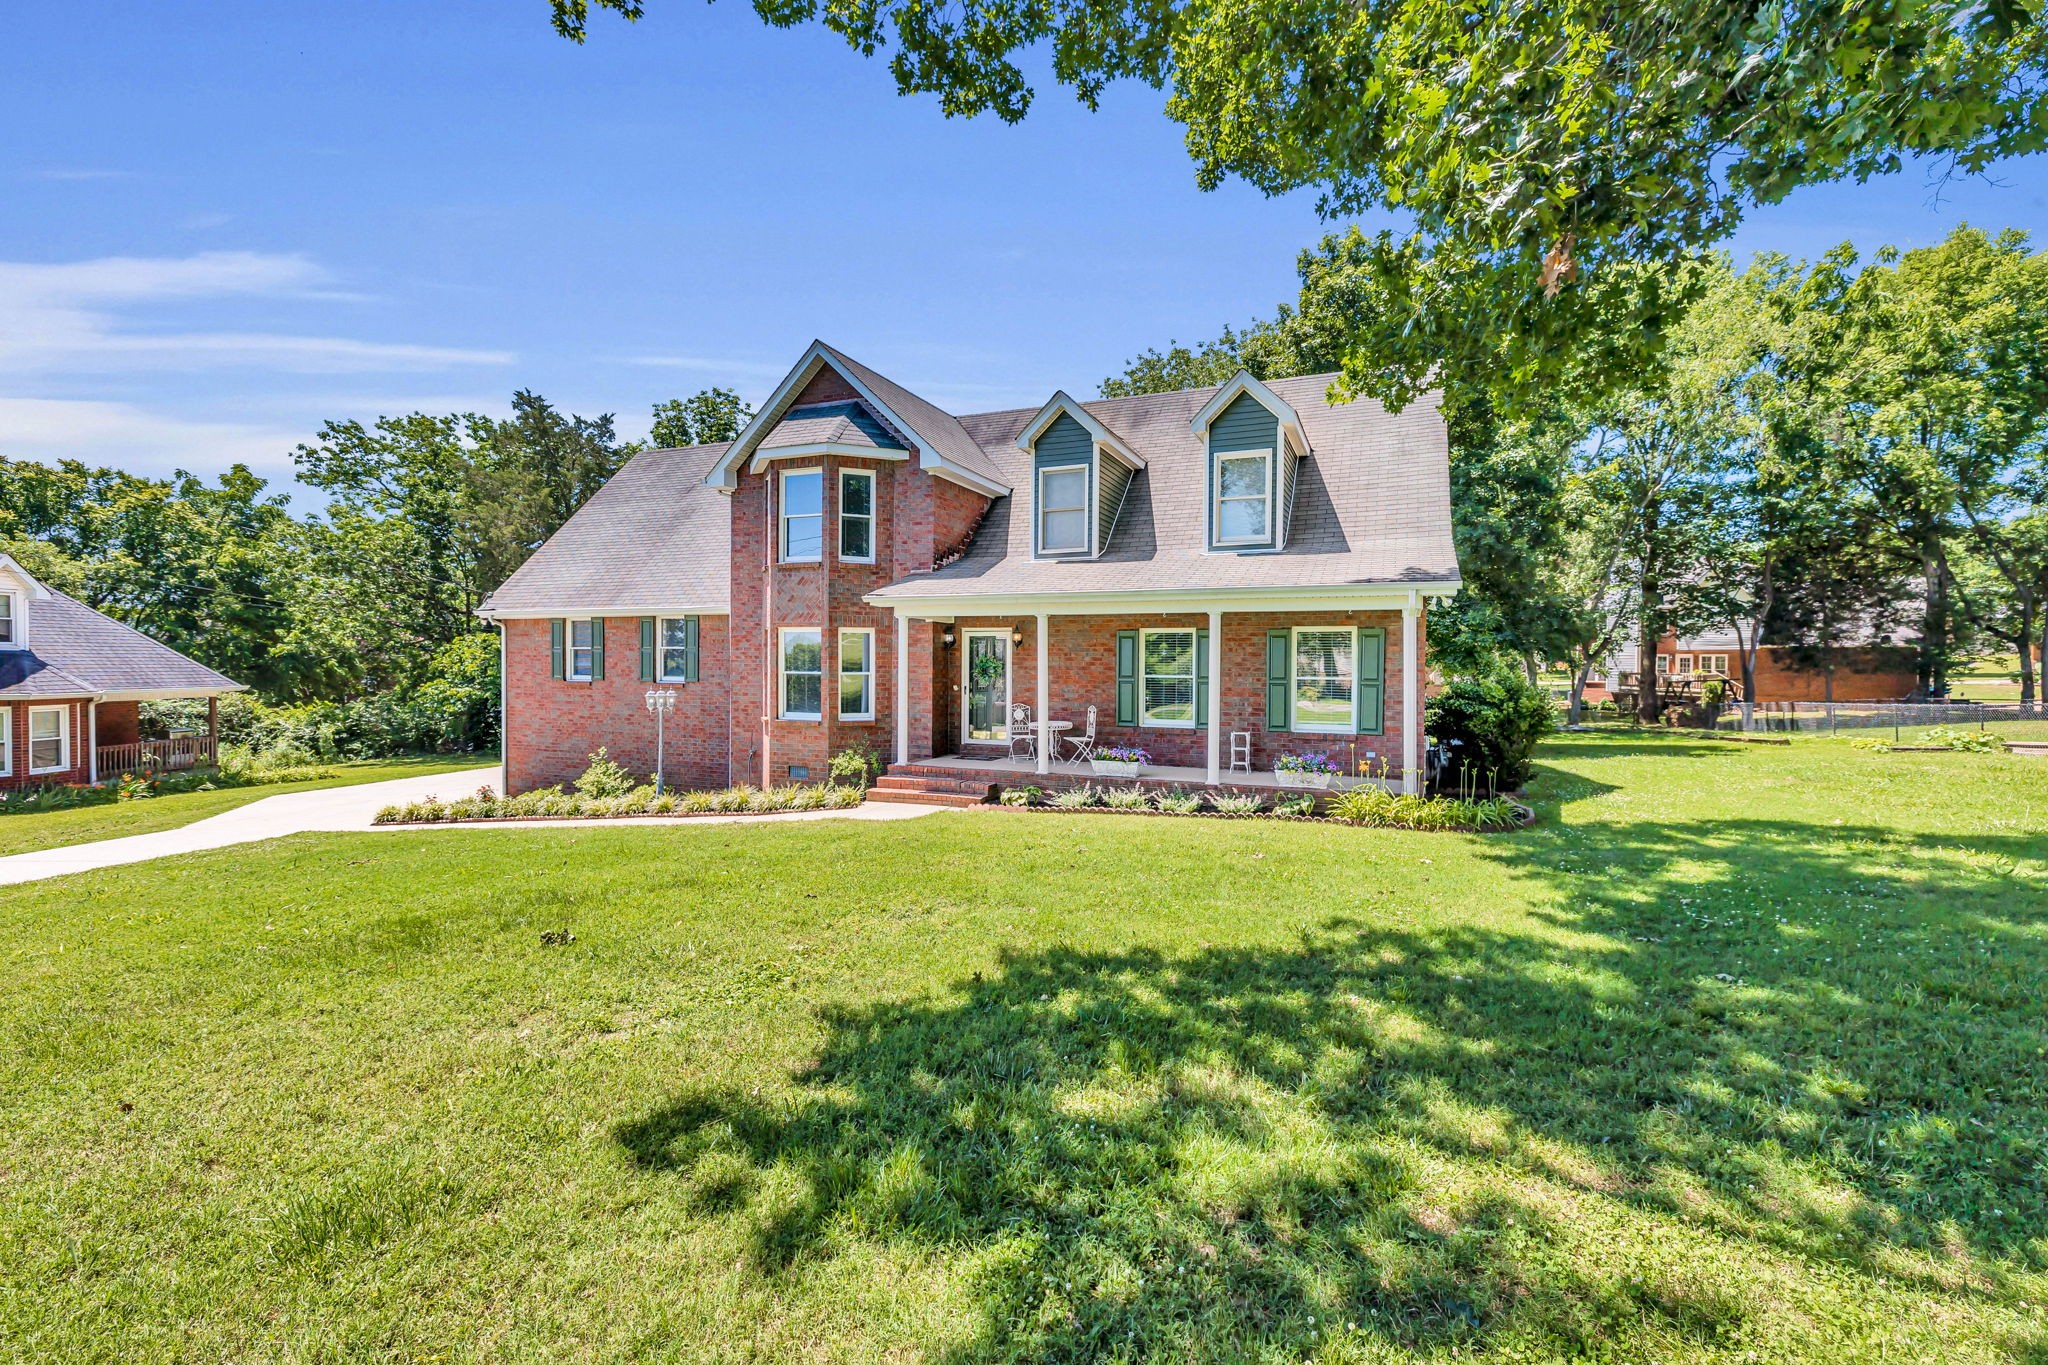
(1545, 152)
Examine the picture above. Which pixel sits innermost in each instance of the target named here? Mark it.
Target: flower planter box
(1108, 767)
(1288, 777)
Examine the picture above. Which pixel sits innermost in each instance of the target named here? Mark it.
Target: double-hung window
(803, 673)
(1714, 663)
(49, 739)
(8, 627)
(803, 516)
(674, 664)
(1685, 665)
(857, 516)
(1663, 663)
(1325, 680)
(1167, 679)
(1063, 509)
(6, 741)
(1243, 514)
(582, 651)
(856, 675)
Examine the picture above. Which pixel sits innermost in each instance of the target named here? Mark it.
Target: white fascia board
(763, 458)
(1243, 383)
(1335, 597)
(490, 613)
(169, 693)
(36, 591)
(1063, 402)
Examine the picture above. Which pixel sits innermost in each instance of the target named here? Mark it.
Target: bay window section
(803, 673)
(1325, 680)
(1063, 509)
(1167, 679)
(803, 516)
(856, 675)
(1244, 497)
(857, 516)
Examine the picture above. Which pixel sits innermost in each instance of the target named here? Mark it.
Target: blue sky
(225, 222)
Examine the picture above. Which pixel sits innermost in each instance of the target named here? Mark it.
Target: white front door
(985, 683)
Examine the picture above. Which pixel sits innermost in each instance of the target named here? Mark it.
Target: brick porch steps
(909, 784)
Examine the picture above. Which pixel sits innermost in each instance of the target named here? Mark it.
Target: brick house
(72, 682)
(1865, 669)
(860, 567)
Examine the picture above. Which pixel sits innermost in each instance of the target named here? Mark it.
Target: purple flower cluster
(1304, 763)
(1121, 753)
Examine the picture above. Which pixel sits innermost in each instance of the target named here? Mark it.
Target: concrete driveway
(345, 809)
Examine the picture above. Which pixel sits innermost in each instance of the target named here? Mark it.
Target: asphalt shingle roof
(74, 651)
(846, 424)
(651, 538)
(1372, 508)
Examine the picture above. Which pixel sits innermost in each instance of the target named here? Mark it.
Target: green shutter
(648, 651)
(556, 629)
(1372, 679)
(1127, 677)
(1201, 677)
(597, 649)
(689, 649)
(1279, 678)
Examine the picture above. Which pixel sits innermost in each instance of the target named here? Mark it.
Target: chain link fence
(1903, 719)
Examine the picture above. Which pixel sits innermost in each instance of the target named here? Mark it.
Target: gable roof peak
(1245, 384)
(1063, 402)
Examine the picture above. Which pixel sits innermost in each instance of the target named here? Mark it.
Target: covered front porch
(1214, 688)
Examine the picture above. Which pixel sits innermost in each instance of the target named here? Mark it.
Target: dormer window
(10, 628)
(1063, 509)
(1243, 514)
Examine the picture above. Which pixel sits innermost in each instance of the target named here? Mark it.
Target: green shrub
(858, 764)
(1297, 805)
(1489, 729)
(603, 778)
(1961, 740)
(1076, 798)
(1381, 808)
(1236, 803)
(1127, 798)
(1023, 796)
(1179, 802)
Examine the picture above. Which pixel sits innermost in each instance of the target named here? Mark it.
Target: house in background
(71, 685)
(862, 568)
(1865, 670)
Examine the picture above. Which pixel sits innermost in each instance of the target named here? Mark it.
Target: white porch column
(1043, 711)
(1411, 701)
(902, 688)
(1215, 697)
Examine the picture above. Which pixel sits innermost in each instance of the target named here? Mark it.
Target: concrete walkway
(346, 809)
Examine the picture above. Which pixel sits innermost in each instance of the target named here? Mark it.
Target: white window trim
(1714, 663)
(1087, 545)
(783, 516)
(782, 673)
(1269, 497)
(569, 673)
(1294, 725)
(867, 516)
(662, 647)
(16, 626)
(1663, 665)
(63, 714)
(1684, 666)
(1193, 675)
(6, 741)
(868, 673)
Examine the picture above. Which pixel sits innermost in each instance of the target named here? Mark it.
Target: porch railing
(158, 755)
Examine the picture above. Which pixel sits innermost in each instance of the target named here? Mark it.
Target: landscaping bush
(554, 803)
(1022, 796)
(603, 778)
(1489, 729)
(1381, 808)
(858, 764)
(1179, 802)
(1236, 803)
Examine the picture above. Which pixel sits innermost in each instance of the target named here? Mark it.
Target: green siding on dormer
(1115, 481)
(1247, 424)
(1065, 442)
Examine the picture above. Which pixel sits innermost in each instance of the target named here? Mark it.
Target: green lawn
(57, 828)
(1738, 1056)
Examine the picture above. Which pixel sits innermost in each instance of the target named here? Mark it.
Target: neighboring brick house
(71, 685)
(861, 567)
(1865, 670)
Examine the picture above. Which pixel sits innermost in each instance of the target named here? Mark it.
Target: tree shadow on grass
(1816, 1042)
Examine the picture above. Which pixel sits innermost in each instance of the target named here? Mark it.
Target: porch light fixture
(946, 637)
(1016, 637)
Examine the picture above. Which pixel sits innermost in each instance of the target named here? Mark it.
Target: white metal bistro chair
(1080, 746)
(1023, 738)
(1240, 751)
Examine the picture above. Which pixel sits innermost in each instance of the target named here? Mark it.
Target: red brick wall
(120, 722)
(1084, 672)
(826, 386)
(552, 726)
(81, 746)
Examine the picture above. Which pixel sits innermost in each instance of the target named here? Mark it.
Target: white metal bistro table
(1048, 732)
